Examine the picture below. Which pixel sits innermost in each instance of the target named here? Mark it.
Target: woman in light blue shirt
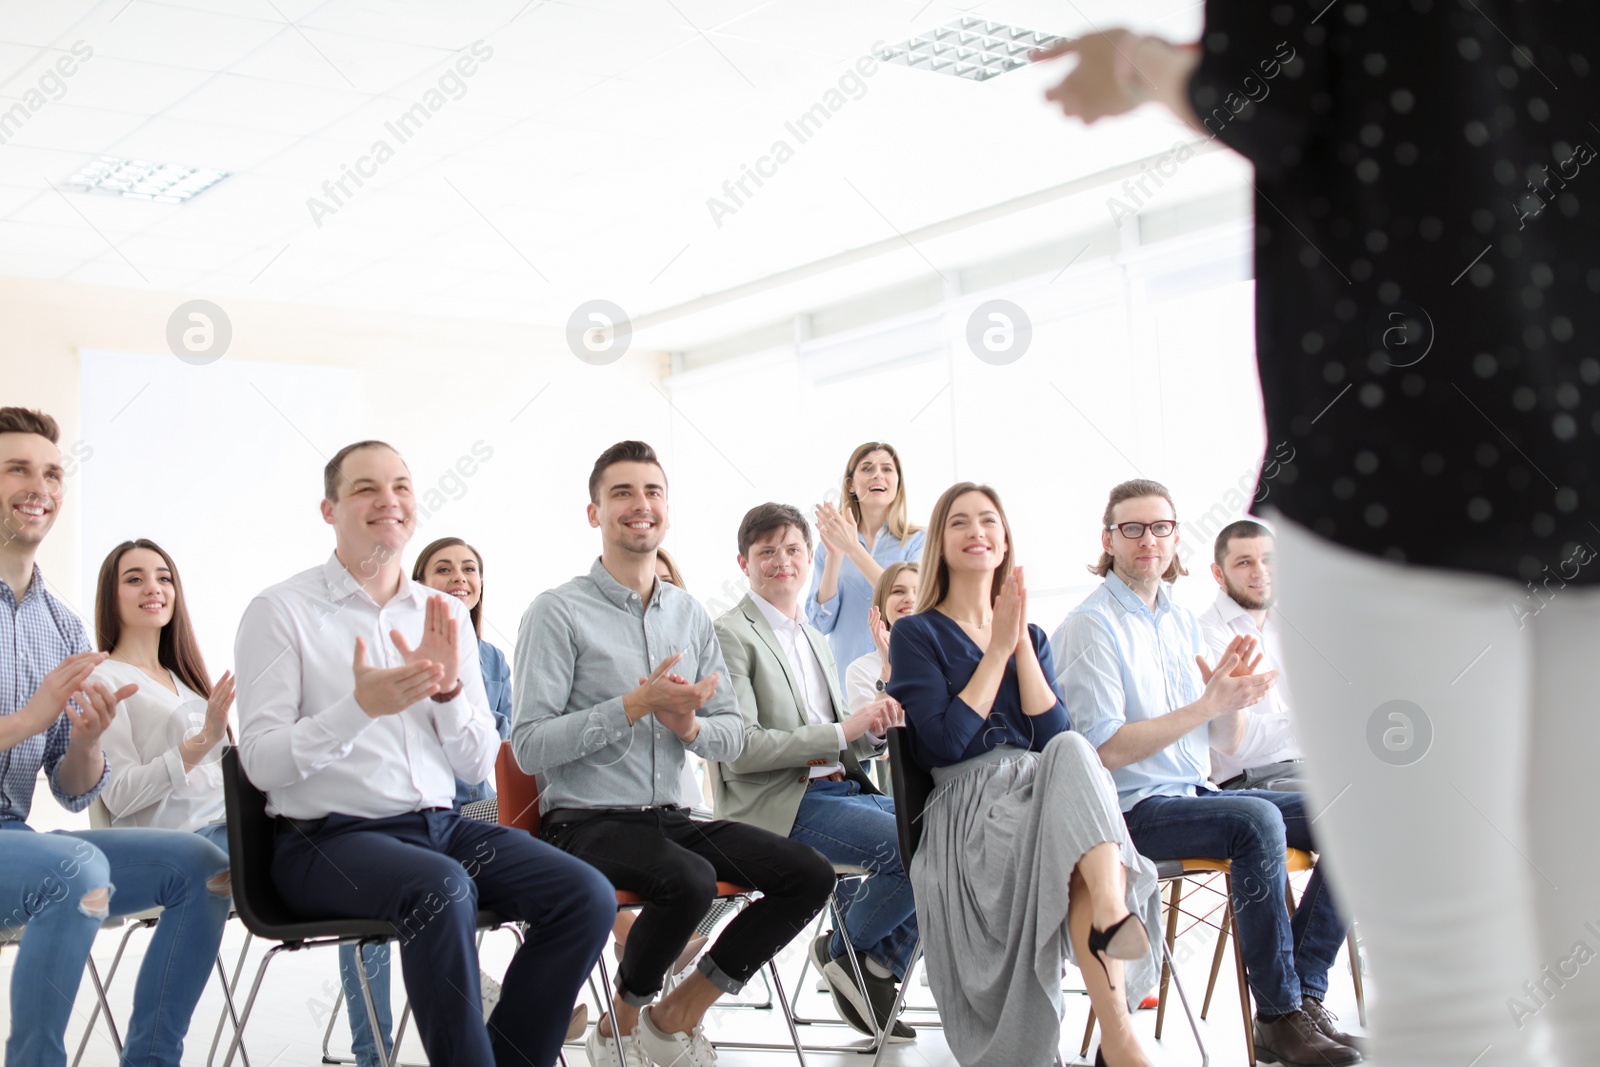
(455, 568)
(867, 532)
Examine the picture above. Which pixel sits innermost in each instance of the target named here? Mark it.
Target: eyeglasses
(1135, 530)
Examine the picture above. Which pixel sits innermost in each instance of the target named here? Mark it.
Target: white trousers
(1452, 725)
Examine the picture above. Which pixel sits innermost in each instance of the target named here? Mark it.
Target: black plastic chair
(250, 849)
(912, 788)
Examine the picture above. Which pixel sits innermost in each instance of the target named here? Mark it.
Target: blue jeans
(43, 880)
(1283, 958)
(849, 826)
(377, 958)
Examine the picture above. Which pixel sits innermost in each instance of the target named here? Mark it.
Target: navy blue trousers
(428, 873)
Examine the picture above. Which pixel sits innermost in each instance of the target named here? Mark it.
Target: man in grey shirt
(616, 675)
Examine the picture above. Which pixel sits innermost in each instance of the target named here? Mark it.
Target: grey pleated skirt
(1001, 835)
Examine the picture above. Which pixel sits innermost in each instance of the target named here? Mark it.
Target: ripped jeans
(62, 886)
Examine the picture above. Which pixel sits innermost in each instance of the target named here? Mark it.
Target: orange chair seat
(1298, 860)
(626, 899)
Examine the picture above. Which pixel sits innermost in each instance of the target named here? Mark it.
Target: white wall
(1140, 364)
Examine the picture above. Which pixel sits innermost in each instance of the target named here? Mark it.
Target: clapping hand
(1241, 647)
(440, 644)
(53, 694)
(875, 718)
(1007, 627)
(879, 631)
(390, 690)
(1234, 685)
(835, 529)
(673, 699)
(92, 709)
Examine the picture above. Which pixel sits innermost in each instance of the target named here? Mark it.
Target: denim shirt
(497, 682)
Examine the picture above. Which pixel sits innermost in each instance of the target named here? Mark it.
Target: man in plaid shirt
(63, 886)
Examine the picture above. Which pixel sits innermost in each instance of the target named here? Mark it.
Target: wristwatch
(445, 698)
(883, 686)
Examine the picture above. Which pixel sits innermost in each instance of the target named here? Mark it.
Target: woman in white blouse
(165, 744)
(867, 677)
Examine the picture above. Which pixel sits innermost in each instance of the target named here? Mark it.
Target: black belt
(566, 815)
(311, 826)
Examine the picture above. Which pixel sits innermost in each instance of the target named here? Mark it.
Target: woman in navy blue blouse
(1025, 859)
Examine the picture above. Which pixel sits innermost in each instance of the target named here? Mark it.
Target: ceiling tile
(178, 37)
(261, 105)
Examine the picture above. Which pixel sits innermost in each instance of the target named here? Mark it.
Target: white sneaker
(675, 1050)
(491, 993)
(608, 1052)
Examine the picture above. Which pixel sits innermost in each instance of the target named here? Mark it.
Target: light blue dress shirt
(581, 647)
(844, 618)
(1119, 662)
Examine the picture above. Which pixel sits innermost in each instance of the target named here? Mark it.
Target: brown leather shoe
(1325, 1020)
(1295, 1041)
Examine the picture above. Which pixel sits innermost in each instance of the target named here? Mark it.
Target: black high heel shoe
(1121, 941)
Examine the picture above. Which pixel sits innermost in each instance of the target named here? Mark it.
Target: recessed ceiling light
(166, 183)
(969, 48)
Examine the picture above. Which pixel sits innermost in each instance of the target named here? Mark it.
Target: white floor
(302, 987)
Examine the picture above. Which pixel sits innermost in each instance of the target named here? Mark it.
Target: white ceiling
(575, 165)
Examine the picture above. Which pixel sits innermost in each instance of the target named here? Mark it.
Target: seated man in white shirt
(1262, 753)
(360, 704)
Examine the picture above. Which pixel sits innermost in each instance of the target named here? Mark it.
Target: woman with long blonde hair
(866, 532)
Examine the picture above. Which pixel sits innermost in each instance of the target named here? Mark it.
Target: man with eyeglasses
(1137, 684)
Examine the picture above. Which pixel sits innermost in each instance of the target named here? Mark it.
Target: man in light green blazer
(799, 773)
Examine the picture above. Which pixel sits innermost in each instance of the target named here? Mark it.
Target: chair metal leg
(232, 984)
(1183, 999)
(229, 1011)
(100, 994)
(899, 1000)
(400, 1031)
(250, 1003)
(327, 1033)
(1355, 974)
(111, 976)
(788, 1013)
(805, 964)
(372, 1007)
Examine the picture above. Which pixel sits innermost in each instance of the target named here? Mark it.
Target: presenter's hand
(440, 644)
(1105, 81)
(391, 690)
